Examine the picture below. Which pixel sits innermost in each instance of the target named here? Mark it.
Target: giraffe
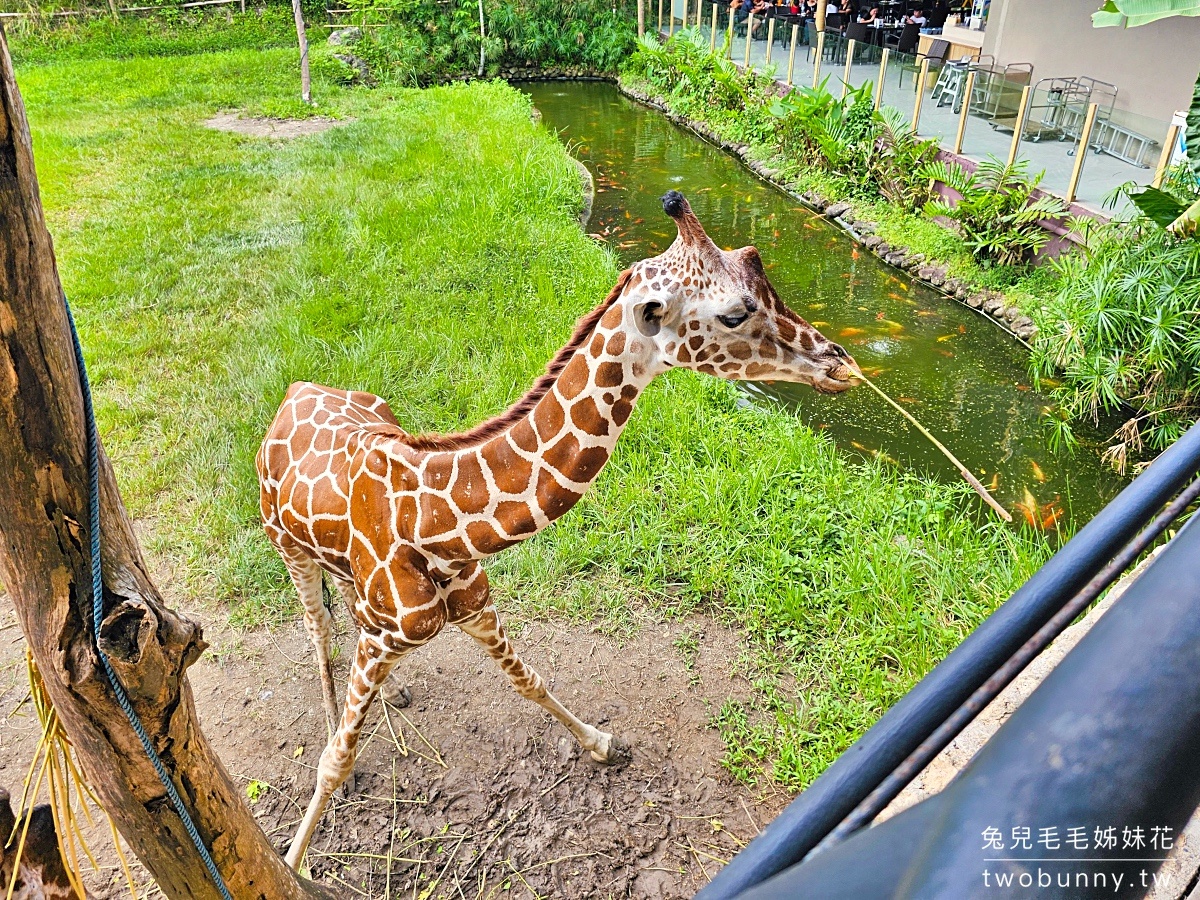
(401, 523)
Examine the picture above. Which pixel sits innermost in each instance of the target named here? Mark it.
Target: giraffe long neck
(511, 486)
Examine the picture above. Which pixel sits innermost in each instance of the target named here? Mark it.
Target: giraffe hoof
(399, 697)
(617, 753)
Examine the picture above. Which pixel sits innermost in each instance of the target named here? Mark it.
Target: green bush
(1125, 329)
(996, 212)
(706, 86)
(418, 43)
(874, 151)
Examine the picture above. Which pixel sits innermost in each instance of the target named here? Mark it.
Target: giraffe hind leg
(306, 576)
(484, 626)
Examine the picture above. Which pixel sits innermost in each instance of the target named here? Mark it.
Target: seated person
(917, 18)
(870, 16)
(937, 18)
(846, 10)
(740, 9)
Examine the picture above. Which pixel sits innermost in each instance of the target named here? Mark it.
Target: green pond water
(960, 375)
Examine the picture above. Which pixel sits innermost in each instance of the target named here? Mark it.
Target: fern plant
(997, 214)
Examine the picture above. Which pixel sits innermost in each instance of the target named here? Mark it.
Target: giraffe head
(715, 311)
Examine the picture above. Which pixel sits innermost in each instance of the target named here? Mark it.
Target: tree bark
(302, 39)
(44, 563)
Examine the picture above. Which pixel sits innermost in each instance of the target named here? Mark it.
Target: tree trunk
(302, 39)
(44, 563)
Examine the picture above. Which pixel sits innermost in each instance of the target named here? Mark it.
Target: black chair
(906, 42)
(936, 56)
(857, 32)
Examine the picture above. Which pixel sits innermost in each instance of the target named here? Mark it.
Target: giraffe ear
(648, 316)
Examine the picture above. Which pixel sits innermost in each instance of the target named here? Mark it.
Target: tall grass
(427, 251)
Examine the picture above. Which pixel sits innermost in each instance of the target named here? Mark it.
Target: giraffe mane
(485, 431)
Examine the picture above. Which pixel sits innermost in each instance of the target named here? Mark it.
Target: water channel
(958, 373)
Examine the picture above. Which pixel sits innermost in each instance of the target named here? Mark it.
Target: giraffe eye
(733, 321)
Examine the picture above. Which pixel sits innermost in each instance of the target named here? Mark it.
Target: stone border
(991, 304)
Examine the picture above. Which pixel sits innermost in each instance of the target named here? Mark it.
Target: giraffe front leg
(372, 662)
(484, 626)
(394, 691)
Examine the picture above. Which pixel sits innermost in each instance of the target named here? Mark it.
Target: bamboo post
(1164, 159)
(846, 72)
(699, 13)
(883, 61)
(749, 36)
(817, 62)
(792, 54)
(1085, 138)
(671, 20)
(924, 73)
(660, 15)
(962, 113)
(963, 470)
(683, 18)
(641, 18)
(712, 37)
(729, 37)
(1019, 125)
(770, 38)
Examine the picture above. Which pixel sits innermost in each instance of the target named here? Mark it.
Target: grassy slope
(427, 251)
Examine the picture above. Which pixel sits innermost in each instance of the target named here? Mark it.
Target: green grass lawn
(427, 251)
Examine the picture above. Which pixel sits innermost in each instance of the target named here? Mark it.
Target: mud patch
(472, 787)
(263, 126)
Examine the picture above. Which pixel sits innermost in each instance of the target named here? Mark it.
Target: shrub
(875, 151)
(1124, 327)
(418, 43)
(996, 213)
(706, 86)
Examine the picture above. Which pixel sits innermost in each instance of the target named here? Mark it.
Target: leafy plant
(997, 214)
(419, 43)
(1124, 329)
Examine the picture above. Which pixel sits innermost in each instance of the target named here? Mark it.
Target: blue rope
(93, 467)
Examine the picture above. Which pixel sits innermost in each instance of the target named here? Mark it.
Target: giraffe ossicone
(401, 523)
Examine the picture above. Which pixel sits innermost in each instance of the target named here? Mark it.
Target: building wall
(1153, 66)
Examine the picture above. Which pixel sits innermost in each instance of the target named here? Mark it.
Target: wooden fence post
(792, 54)
(1085, 138)
(883, 61)
(1019, 125)
(1164, 159)
(963, 111)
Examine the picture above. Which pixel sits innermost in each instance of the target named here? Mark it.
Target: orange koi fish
(850, 332)
(1037, 472)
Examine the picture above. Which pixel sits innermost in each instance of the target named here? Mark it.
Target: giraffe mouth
(841, 377)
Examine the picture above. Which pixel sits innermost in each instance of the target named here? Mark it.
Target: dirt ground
(262, 126)
(472, 792)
